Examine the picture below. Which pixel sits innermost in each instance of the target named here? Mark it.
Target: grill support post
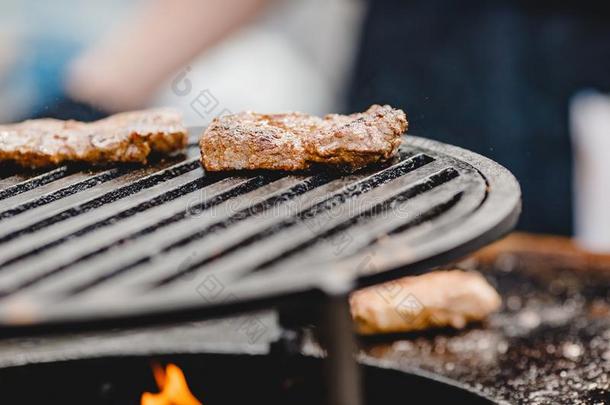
(334, 331)
(343, 378)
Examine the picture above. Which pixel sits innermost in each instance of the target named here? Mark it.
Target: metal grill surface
(130, 244)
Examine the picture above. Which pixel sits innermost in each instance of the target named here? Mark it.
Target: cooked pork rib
(293, 141)
(125, 137)
(437, 299)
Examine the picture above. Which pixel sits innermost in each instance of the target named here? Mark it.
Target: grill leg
(342, 370)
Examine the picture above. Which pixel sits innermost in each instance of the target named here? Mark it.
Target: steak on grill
(293, 141)
(432, 300)
(124, 137)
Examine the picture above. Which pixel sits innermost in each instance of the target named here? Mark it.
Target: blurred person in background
(37, 42)
(204, 57)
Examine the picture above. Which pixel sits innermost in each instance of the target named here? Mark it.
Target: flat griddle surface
(550, 344)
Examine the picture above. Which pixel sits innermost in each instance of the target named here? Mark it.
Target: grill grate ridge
(64, 192)
(298, 189)
(350, 191)
(429, 215)
(122, 192)
(34, 182)
(113, 219)
(419, 188)
(249, 185)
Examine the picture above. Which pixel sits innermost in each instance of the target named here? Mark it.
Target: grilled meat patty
(293, 141)
(124, 137)
(437, 299)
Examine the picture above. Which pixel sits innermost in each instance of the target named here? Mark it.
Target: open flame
(173, 387)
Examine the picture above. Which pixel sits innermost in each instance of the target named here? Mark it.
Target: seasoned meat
(437, 299)
(255, 141)
(125, 137)
(293, 141)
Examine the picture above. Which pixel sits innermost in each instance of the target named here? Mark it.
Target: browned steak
(124, 137)
(438, 299)
(293, 141)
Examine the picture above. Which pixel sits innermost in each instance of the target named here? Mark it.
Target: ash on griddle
(550, 344)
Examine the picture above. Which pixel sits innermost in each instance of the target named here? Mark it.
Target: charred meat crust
(124, 137)
(295, 141)
(433, 300)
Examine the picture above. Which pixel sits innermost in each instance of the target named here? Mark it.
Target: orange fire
(173, 386)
